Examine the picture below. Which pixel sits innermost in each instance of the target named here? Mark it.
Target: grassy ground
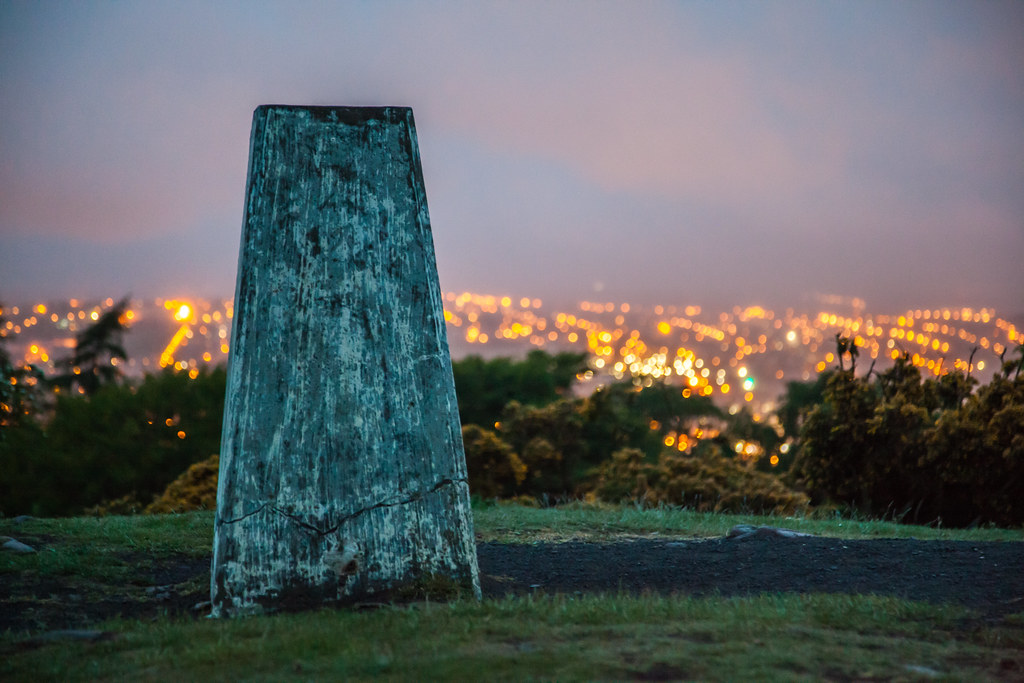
(108, 547)
(764, 638)
(770, 637)
(91, 545)
(518, 524)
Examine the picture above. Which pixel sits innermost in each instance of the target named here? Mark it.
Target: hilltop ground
(984, 576)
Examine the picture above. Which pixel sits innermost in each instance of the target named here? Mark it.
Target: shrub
(128, 504)
(896, 444)
(124, 438)
(196, 489)
(495, 471)
(709, 482)
(976, 454)
(547, 441)
(485, 387)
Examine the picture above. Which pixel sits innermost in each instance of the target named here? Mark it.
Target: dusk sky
(714, 153)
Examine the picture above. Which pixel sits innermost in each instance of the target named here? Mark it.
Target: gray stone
(742, 532)
(926, 671)
(342, 472)
(14, 546)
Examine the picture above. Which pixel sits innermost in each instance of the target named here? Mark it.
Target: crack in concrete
(362, 511)
(246, 515)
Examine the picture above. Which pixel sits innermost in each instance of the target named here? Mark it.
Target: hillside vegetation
(890, 443)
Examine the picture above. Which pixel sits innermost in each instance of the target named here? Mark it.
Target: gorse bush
(612, 445)
(196, 489)
(896, 444)
(976, 453)
(706, 482)
(495, 471)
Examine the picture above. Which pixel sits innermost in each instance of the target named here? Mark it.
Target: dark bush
(895, 444)
(123, 439)
(708, 482)
(495, 471)
(485, 387)
(547, 441)
(196, 489)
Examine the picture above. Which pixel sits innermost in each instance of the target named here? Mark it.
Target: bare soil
(984, 576)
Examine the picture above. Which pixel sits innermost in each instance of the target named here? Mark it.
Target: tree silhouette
(799, 399)
(485, 387)
(97, 352)
(19, 382)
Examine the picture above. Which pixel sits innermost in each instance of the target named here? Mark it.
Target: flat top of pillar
(339, 114)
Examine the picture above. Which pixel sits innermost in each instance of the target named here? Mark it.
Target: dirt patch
(983, 576)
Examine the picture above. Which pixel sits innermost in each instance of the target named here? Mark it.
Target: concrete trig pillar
(342, 472)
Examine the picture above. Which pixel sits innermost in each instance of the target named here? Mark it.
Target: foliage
(977, 451)
(623, 415)
(894, 443)
(797, 402)
(123, 439)
(709, 482)
(196, 489)
(549, 452)
(20, 397)
(98, 352)
(485, 387)
(547, 440)
(128, 504)
(495, 471)
(111, 447)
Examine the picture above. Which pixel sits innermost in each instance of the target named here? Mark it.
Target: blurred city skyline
(740, 357)
(709, 154)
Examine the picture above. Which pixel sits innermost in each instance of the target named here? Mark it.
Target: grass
(110, 547)
(768, 637)
(517, 524)
(763, 638)
(107, 548)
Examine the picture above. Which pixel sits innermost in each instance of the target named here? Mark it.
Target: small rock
(159, 592)
(922, 670)
(741, 532)
(13, 546)
(21, 519)
(75, 634)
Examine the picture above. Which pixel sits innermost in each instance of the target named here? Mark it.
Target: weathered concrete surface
(342, 471)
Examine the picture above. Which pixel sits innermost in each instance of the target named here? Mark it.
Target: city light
(703, 352)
